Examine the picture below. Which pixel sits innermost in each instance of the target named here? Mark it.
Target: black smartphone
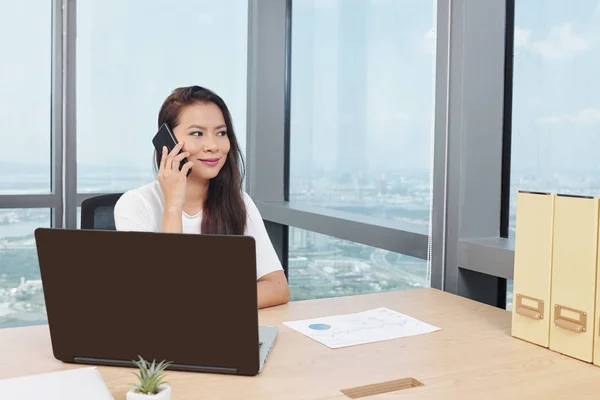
(165, 137)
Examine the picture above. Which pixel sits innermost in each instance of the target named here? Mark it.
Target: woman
(210, 199)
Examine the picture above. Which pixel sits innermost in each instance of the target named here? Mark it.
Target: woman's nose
(210, 145)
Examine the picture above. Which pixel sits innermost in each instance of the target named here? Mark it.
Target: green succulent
(150, 376)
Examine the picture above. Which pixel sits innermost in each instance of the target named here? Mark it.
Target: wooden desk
(472, 357)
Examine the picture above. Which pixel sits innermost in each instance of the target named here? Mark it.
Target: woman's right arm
(173, 184)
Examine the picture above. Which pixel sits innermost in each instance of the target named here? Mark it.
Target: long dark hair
(224, 210)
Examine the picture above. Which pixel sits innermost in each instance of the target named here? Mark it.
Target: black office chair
(98, 212)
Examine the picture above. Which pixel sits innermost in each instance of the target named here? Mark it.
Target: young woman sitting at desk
(211, 198)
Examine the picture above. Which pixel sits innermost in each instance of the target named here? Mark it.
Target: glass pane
(323, 266)
(129, 61)
(21, 295)
(556, 99)
(25, 96)
(362, 106)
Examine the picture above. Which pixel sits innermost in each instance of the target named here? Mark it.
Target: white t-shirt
(141, 209)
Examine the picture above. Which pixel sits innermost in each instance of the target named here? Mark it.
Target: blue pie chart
(319, 327)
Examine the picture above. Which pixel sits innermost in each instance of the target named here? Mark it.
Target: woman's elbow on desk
(273, 290)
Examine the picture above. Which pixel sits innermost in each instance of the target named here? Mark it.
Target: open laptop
(186, 298)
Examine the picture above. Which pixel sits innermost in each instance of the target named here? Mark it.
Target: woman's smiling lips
(211, 162)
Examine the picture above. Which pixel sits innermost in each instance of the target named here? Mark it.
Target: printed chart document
(359, 328)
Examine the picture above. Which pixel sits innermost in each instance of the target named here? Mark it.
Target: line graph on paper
(364, 327)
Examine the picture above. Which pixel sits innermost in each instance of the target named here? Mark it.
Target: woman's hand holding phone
(172, 180)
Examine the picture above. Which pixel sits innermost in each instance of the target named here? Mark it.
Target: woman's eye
(197, 133)
(222, 133)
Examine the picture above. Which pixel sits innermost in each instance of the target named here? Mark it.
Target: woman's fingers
(180, 157)
(172, 154)
(186, 168)
(163, 159)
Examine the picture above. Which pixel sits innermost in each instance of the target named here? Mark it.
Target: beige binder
(532, 267)
(596, 321)
(574, 276)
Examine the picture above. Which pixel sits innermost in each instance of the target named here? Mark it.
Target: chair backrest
(98, 212)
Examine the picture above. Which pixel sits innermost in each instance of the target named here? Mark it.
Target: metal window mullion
(440, 146)
(475, 134)
(287, 88)
(56, 134)
(30, 201)
(266, 115)
(69, 150)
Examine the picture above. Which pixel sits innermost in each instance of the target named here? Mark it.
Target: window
(556, 99)
(26, 166)
(323, 266)
(25, 96)
(362, 106)
(130, 56)
(21, 295)
(361, 123)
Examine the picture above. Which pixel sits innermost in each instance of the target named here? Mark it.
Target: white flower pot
(163, 394)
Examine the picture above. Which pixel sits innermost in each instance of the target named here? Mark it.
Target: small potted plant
(152, 384)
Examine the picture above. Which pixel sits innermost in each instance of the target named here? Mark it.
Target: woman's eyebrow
(202, 127)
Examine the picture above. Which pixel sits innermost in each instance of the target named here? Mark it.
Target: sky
(556, 91)
(25, 77)
(128, 60)
(372, 59)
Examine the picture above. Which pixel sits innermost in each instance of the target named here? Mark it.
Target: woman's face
(203, 131)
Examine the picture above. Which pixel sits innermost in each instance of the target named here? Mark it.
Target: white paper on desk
(364, 327)
(74, 384)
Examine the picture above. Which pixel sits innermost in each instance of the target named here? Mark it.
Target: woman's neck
(195, 195)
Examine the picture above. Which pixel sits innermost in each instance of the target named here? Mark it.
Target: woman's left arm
(273, 290)
(272, 286)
